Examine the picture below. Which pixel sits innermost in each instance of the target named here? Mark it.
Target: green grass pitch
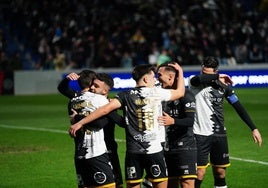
(36, 151)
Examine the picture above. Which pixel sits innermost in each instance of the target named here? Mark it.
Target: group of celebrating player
(172, 133)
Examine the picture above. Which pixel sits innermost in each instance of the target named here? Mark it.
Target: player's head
(166, 74)
(102, 84)
(210, 63)
(144, 75)
(86, 78)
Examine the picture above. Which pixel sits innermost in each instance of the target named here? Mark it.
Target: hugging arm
(64, 88)
(203, 79)
(116, 118)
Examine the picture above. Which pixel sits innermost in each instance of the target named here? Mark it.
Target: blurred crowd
(75, 34)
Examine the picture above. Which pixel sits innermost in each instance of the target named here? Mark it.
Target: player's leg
(187, 163)
(162, 184)
(173, 167)
(203, 144)
(187, 183)
(156, 169)
(220, 160)
(133, 170)
(219, 174)
(99, 172)
(201, 171)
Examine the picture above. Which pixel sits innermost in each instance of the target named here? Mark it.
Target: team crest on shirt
(100, 177)
(155, 170)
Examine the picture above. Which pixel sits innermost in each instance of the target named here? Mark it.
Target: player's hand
(166, 119)
(72, 76)
(72, 120)
(74, 128)
(257, 136)
(176, 66)
(225, 79)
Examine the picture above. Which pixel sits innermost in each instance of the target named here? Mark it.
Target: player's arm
(116, 118)
(203, 79)
(189, 111)
(102, 111)
(64, 88)
(98, 123)
(243, 114)
(180, 90)
(210, 78)
(167, 120)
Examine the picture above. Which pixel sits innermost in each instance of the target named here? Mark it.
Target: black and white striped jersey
(141, 107)
(93, 143)
(209, 118)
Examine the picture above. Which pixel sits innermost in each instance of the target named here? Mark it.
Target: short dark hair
(86, 78)
(168, 67)
(210, 62)
(106, 78)
(140, 70)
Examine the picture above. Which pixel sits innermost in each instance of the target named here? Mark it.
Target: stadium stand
(70, 34)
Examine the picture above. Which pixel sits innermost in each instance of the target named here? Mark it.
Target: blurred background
(98, 34)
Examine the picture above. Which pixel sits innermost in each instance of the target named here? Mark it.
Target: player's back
(142, 106)
(86, 102)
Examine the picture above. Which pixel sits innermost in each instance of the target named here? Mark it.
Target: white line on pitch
(42, 129)
(249, 160)
(118, 140)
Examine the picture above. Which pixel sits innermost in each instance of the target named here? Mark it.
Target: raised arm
(180, 90)
(64, 88)
(209, 78)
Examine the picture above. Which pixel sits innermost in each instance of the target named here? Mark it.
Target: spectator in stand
(134, 24)
(126, 60)
(59, 60)
(241, 53)
(163, 57)
(256, 54)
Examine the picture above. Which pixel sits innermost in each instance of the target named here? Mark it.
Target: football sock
(219, 182)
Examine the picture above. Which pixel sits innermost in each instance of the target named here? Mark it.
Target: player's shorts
(215, 147)
(153, 164)
(182, 164)
(97, 171)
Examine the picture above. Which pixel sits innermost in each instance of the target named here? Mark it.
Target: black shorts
(182, 164)
(214, 147)
(96, 171)
(153, 164)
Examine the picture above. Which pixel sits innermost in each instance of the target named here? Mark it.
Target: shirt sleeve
(203, 79)
(232, 99)
(164, 94)
(188, 102)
